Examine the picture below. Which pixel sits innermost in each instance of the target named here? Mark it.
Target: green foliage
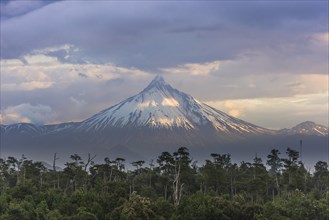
(83, 214)
(137, 207)
(197, 207)
(200, 206)
(16, 212)
(54, 215)
(163, 209)
(297, 206)
(42, 210)
(175, 188)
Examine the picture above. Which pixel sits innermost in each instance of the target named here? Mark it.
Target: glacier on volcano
(161, 106)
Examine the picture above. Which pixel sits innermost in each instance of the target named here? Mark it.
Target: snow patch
(169, 102)
(161, 106)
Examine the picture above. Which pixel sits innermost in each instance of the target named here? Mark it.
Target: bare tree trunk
(180, 192)
(24, 174)
(57, 181)
(277, 183)
(176, 185)
(231, 184)
(90, 159)
(54, 161)
(111, 173)
(133, 184)
(165, 191)
(234, 181)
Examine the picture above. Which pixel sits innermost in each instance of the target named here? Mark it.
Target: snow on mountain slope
(33, 130)
(159, 118)
(161, 106)
(21, 128)
(306, 128)
(53, 128)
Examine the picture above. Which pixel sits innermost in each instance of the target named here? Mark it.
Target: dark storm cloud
(269, 14)
(14, 8)
(79, 57)
(150, 35)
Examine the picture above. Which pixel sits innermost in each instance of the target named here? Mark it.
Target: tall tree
(321, 176)
(166, 168)
(182, 171)
(294, 173)
(275, 163)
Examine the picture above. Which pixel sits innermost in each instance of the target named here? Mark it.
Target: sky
(265, 62)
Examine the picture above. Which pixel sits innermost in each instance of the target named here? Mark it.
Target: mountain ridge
(159, 118)
(160, 106)
(43, 128)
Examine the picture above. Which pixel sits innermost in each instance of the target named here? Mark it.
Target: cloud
(230, 107)
(11, 62)
(40, 71)
(73, 85)
(66, 86)
(14, 8)
(237, 83)
(97, 53)
(321, 37)
(67, 53)
(68, 48)
(153, 35)
(37, 114)
(278, 113)
(40, 59)
(197, 69)
(78, 103)
(234, 113)
(27, 86)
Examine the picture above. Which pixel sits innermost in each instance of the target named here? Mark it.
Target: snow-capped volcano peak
(158, 81)
(158, 105)
(161, 106)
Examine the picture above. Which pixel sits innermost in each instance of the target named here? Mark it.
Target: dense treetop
(172, 186)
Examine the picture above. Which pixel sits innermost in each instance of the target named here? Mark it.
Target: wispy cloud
(321, 37)
(97, 53)
(140, 34)
(16, 8)
(37, 114)
(197, 69)
(26, 86)
(278, 113)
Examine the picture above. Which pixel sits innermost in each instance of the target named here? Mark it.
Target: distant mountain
(28, 129)
(21, 129)
(306, 128)
(159, 106)
(158, 118)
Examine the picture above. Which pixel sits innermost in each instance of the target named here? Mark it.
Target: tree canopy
(173, 187)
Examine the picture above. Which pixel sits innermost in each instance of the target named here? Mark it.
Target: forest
(173, 186)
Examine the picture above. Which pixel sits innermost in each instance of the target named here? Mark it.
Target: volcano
(160, 106)
(159, 118)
